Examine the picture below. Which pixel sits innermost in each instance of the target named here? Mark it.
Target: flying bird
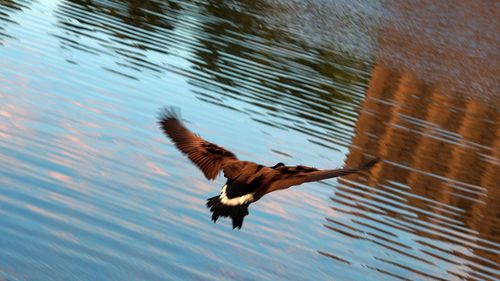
(246, 181)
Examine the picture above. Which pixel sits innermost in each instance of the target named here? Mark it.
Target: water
(91, 190)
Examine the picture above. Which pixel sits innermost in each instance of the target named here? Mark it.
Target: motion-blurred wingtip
(169, 112)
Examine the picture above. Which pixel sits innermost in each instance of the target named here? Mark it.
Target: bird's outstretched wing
(288, 176)
(209, 157)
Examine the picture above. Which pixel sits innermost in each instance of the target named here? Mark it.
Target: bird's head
(280, 164)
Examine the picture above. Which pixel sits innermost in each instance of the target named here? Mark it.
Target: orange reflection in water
(441, 155)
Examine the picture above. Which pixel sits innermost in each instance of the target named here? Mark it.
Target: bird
(246, 181)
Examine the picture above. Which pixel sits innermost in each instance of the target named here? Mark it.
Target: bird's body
(247, 181)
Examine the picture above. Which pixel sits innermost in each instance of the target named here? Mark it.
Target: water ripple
(91, 190)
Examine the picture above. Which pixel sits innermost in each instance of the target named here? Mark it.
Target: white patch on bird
(234, 201)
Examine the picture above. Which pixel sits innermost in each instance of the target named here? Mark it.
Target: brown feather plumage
(209, 157)
(290, 176)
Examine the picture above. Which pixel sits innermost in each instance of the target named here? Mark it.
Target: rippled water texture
(91, 190)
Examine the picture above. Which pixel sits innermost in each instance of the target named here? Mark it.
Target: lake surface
(90, 189)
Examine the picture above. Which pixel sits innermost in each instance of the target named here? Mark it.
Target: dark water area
(90, 189)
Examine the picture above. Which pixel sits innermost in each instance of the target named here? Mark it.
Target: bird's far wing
(209, 157)
(289, 176)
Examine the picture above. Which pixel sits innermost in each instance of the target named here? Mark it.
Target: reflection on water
(91, 190)
(453, 46)
(128, 30)
(8, 7)
(438, 181)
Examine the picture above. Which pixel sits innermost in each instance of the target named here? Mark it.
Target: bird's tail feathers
(236, 213)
